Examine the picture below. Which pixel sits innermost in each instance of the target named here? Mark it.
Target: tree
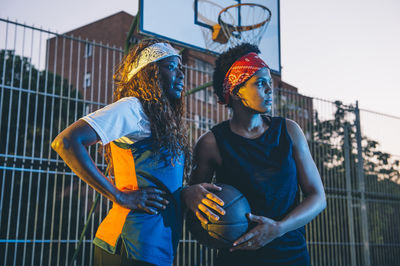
(329, 138)
(35, 106)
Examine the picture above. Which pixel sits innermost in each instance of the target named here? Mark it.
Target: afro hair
(225, 61)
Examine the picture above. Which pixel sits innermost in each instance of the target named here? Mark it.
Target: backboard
(186, 22)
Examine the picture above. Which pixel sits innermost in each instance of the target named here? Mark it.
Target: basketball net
(236, 24)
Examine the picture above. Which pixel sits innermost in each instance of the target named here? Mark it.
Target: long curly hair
(167, 126)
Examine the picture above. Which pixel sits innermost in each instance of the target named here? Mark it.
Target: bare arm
(205, 158)
(71, 145)
(197, 196)
(314, 202)
(309, 180)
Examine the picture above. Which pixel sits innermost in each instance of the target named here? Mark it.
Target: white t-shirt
(124, 121)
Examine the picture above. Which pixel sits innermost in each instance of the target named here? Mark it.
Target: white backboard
(185, 22)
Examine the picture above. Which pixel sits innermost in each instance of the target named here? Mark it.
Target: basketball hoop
(241, 23)
(225, 27)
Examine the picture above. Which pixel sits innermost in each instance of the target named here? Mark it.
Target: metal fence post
(349, 193)
(361, 184)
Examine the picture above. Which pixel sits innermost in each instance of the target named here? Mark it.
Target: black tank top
(264, 170)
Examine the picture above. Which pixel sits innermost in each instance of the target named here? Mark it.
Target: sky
(344, 49)
(334, 50)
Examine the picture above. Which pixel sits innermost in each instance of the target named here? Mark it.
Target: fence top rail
(199, 69)
(379, 113)
(347, 106)
(70, 37)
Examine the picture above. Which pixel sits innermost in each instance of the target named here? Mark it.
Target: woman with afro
(266, 158)
(145, 141)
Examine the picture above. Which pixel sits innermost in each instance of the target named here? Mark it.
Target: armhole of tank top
(287, 133)
(297, 196)
(217, 129)
(219, 150)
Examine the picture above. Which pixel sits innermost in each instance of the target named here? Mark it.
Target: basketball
(223, 232)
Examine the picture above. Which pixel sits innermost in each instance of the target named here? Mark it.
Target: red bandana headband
(241, 71)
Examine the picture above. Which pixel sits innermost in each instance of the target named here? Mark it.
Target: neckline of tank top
(266, 118)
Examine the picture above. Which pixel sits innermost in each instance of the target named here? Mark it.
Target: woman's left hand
(266, 231)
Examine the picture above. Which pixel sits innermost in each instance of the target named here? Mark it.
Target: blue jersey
(151, 237)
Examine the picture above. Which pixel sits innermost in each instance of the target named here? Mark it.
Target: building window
(87, 109)
(133, 40)
(202, 122)
(88, 49)
(305, 114)
(87, 81)
(203, 65)
(206, 95)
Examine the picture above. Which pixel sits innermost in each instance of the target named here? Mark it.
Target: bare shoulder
(207, 139)
(206, 159)
(295, 133)
(292, 126)
(207, 148)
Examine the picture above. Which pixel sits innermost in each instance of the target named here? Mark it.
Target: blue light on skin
(256, 93)
(172, 76)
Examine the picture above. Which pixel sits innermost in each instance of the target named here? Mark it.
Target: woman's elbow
(60, 143)
(319, 199)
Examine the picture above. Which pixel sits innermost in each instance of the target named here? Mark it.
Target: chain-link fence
(48, 81)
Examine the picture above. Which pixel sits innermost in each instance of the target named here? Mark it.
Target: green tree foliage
(381, 170)
(35, 106)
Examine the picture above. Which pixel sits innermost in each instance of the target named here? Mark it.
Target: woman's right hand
(149, 199)
(199, 199)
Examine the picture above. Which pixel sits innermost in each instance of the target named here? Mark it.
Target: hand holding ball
(223, 232)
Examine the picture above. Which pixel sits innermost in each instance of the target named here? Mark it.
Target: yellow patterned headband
(153, 53)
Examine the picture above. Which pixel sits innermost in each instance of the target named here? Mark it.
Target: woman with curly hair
(146, 145)
(264, 157)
